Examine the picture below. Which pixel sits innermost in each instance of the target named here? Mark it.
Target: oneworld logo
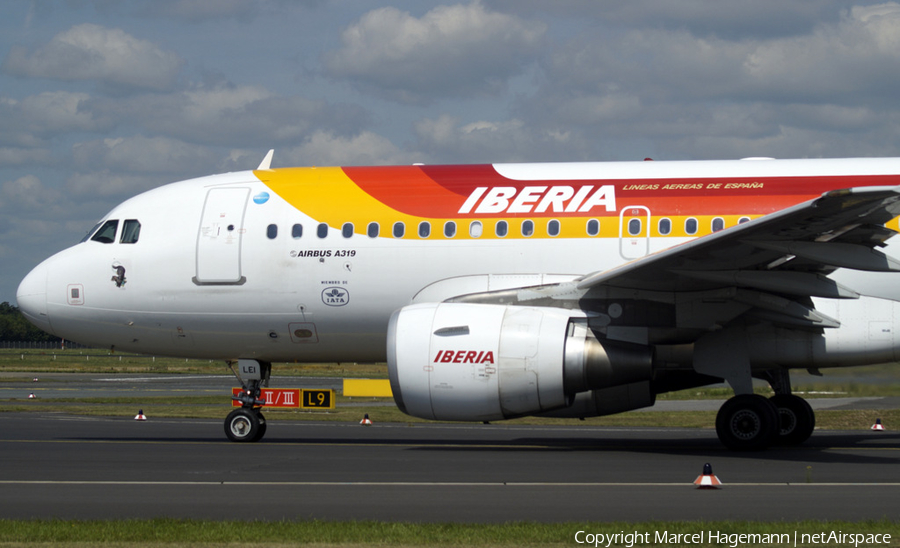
(335, 296)
(261, 198)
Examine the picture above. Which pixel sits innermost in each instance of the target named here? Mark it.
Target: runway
(100, 468)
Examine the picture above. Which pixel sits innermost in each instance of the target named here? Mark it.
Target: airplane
(497, 291)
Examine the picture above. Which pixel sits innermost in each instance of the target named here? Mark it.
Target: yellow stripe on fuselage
(328, 195)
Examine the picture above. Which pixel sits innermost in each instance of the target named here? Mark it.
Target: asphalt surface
(100, 468)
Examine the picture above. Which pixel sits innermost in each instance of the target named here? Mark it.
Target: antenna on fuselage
(267, 161)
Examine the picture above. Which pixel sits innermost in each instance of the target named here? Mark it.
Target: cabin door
(220, 235)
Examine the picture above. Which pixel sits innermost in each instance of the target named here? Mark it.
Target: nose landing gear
(248, 424)
(245, 425)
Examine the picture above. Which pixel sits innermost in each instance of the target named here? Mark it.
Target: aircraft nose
(31, 297)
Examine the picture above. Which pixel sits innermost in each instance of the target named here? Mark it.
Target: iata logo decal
(464, 356)
(335, 296)
(539, 199)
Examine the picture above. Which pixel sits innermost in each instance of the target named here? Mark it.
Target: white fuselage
(199, 286)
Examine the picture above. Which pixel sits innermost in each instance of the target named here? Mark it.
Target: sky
(103, 99)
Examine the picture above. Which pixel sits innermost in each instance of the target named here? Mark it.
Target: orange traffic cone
(140, 416)
(366, 421)
(878, 427)
(31, 396)
(707, 480)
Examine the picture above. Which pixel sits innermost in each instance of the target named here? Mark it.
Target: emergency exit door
(634, 232)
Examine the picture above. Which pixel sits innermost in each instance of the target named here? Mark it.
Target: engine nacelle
(479, 362)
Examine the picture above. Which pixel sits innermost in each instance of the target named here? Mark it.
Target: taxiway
(100, 468)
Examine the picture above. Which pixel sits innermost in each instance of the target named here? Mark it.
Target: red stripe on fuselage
(440, 191)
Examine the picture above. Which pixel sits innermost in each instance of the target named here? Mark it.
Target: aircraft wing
(841, 229)
(770, 265)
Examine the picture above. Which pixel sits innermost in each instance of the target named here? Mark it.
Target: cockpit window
(131, 231)
(91, 232)
(107, 232)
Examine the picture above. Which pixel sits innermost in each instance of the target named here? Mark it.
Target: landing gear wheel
(796, 418)
(244, 425)
(262, 427)
(747, 422)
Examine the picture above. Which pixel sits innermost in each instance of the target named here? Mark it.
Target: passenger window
(399, 229)
(743, 220)
(593, 227)
(527, 228)
(718, 224)
(297, 231)
(553, 228)
(665, 226)
(373, 229)
(502, 229)
(347, 230)
(475, 229)
(131, 231)
(690, 226)
(634, 227)
(449, 229)
(322, 230)
(272, 231)
(424, 229)
(107, 232)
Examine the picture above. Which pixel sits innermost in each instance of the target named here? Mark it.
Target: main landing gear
(248, 423)
(750, 422)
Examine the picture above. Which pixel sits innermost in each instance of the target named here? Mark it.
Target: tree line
(14, 327)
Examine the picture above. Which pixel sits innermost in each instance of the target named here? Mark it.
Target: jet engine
(480, 362)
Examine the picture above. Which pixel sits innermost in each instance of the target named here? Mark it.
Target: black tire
(262, 427)
(747, 422)
(796, 419)
(242, 425)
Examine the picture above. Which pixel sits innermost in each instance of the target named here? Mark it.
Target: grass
(92, 360)
(29, 363)
(172, 532)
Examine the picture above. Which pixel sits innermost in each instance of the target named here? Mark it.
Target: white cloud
(326, 149)
(450, 51)
(735, 19)
(104, 183)
(195, 11)
(234, 116)
(139, 154)
(238, 159)
(27, 193)
(835, 61)
(678, 93)
(601, 108)
(446, 139)
(30, 121)
(24, 156)
(92, 52)
(858, 56)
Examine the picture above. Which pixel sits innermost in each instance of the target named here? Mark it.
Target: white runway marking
(431, 483)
